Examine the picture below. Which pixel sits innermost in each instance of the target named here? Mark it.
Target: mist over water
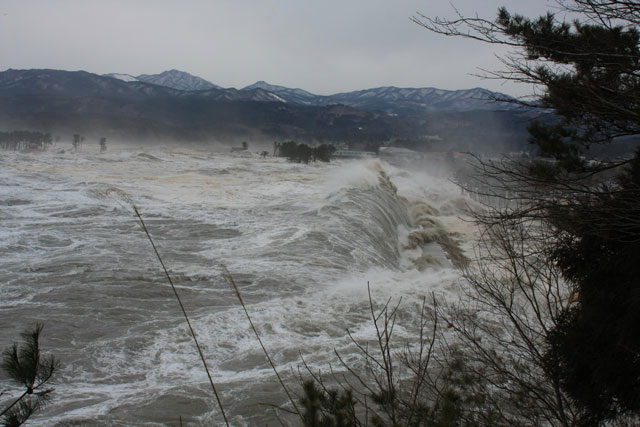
(301, 241)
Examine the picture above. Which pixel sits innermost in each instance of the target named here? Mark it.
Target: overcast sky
(323, 46)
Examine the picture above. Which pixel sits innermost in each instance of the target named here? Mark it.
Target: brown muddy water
(302, 242)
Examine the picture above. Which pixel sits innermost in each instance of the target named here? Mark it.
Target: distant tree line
(24, 139)
(302, 153)
(33, 140)
(77, 142)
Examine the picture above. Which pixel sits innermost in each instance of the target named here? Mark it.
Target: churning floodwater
(301, 241)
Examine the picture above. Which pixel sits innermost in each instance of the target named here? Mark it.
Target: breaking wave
(301, 241)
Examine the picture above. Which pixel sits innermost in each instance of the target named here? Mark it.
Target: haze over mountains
(389, 99)
(177, 105)
(173, 78)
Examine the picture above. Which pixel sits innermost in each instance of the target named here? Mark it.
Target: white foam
(300, 251)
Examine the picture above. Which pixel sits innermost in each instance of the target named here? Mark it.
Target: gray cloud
(322, 46)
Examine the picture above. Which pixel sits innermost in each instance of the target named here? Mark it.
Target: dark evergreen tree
(288, 149)
(327, 408)
(26, 366)
(76, 142)
(590, 73)
(323, 152)
(596, 345)
(302, 153)
(22, 139)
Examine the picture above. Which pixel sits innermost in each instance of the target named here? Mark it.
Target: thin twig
(14, 403)
(184, 312)
(255, 331)
(281, 408)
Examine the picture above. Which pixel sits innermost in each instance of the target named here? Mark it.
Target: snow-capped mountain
(389, 99)
(403, 101)
(68, 102)
(123, 77)
(396, 101)
(177, 80)
(256, 94)
(298, 96)
(75, 84)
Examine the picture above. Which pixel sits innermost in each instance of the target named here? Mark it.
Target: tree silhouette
(77, 142)
(24, 139)
(302, 153)
(26, 366)
(589, 75)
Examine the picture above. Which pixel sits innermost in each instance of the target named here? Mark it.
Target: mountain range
(178, 105)
(388, 99)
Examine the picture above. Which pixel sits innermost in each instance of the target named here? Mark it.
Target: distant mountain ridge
(402, 101)
(123, 77)
(123, 106)
(299, 96)
(398, 101)
(389, 99)
(173, 79)
(178, 80)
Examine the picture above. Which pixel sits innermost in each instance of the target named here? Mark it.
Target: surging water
(301, 241)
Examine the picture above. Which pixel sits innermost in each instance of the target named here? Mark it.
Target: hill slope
(176, 79)
(67, 102)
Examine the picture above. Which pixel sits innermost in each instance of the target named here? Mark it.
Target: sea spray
(301, 240)
(432, 230)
